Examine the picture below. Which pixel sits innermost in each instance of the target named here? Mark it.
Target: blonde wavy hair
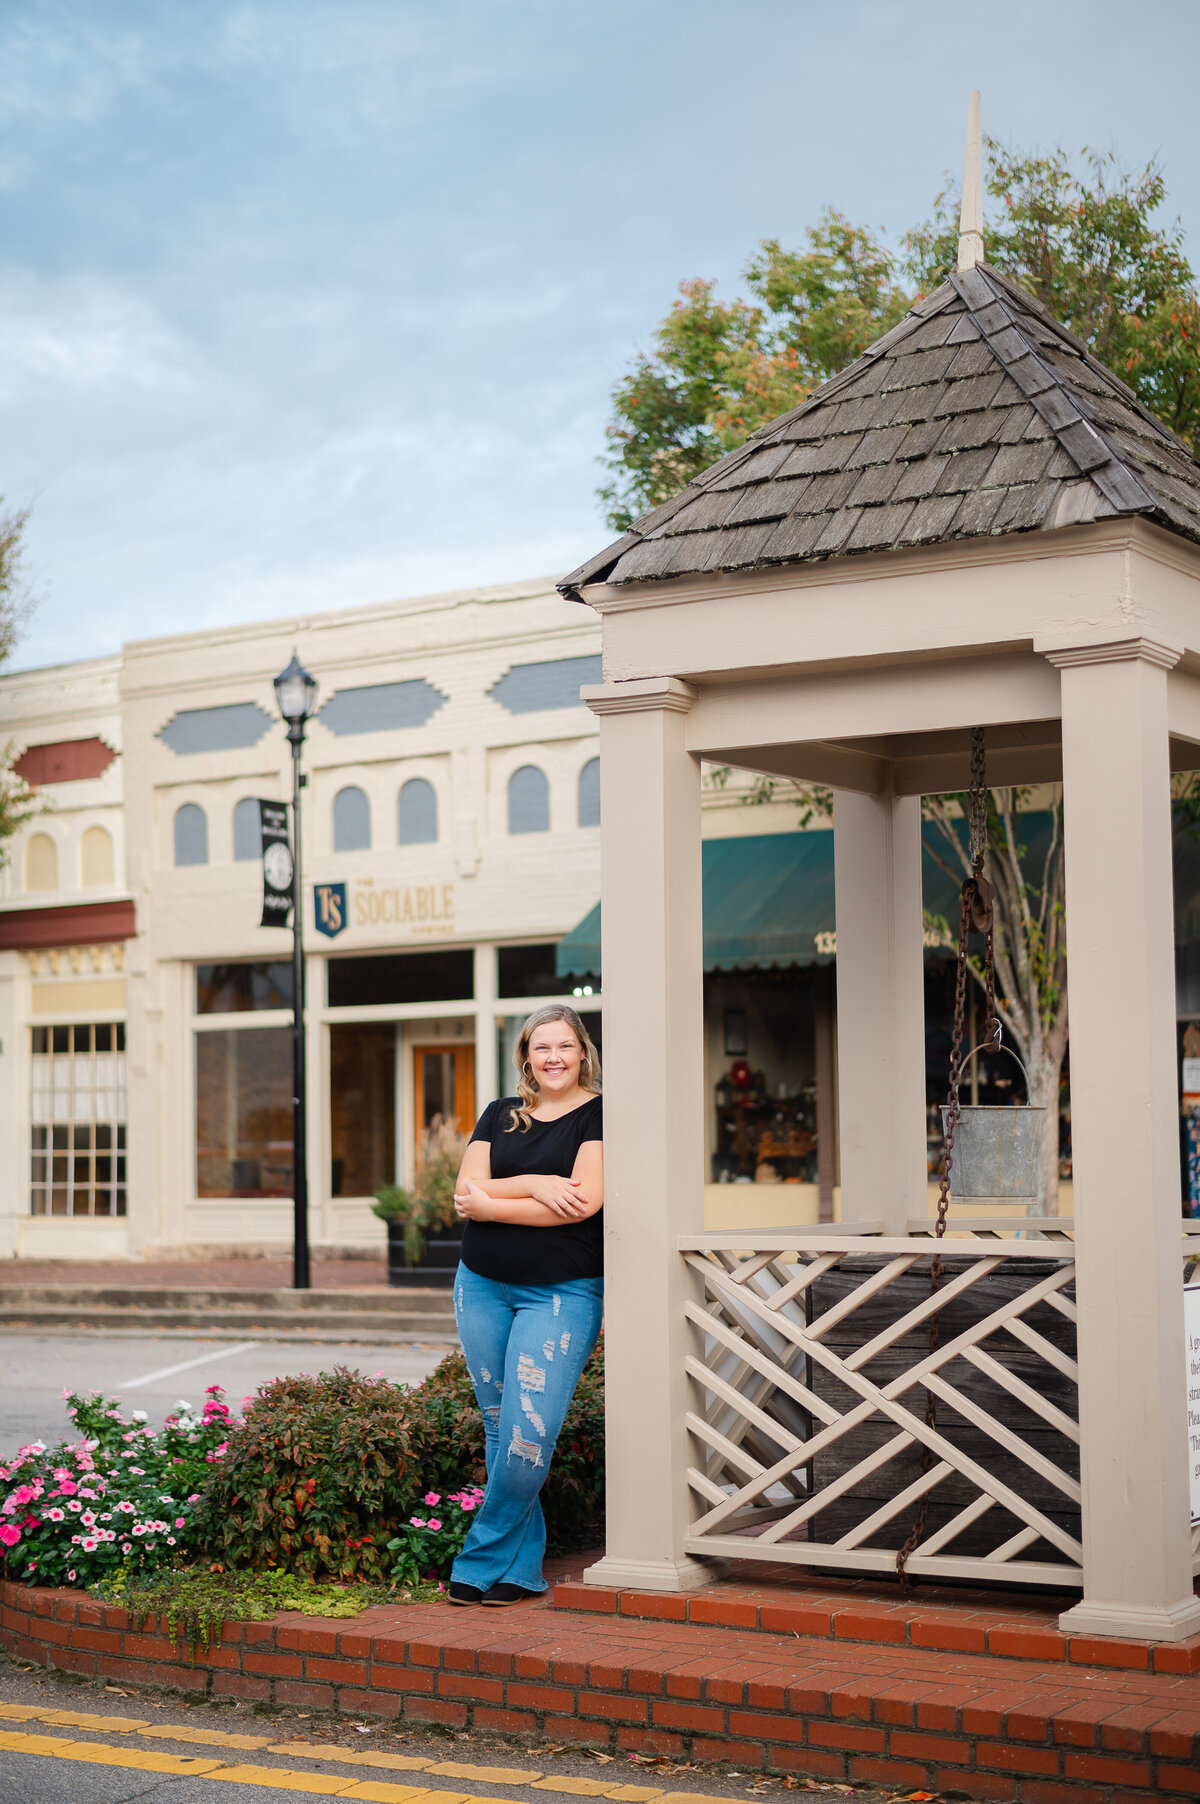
(528, 1088)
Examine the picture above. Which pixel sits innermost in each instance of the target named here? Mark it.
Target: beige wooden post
(881, 1007)
(652, 949)
(1125, 1138)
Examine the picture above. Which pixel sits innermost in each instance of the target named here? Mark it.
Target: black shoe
(508, 1594)
(458, 1593)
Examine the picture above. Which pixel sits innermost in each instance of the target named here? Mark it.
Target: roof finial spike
(970, 222)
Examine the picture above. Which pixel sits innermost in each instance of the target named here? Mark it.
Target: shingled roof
(977, 415)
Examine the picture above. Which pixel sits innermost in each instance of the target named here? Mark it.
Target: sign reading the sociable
(278, 872)
(329, 908)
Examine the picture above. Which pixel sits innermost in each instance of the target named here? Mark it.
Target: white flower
(137, 1415)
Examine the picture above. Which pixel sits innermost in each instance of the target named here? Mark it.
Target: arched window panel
(417, 816)
(528, 801)
(96, 865)
(191, 834)
(41, 863)
(351, 821)
(589, 794)
(247, 831)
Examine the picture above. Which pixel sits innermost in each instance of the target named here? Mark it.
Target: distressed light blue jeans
(526, 1346)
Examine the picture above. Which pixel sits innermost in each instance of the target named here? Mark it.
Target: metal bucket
(997, 1151)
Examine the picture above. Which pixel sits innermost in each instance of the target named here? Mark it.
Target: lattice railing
(810, 1376)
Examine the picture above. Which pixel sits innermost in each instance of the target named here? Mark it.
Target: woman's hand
(559, 1194)
(472, 1203)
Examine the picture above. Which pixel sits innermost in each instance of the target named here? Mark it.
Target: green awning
(768, 900)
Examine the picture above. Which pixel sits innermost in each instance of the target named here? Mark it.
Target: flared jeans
(526, 1346)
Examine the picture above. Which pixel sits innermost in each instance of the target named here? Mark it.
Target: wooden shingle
(978, 414)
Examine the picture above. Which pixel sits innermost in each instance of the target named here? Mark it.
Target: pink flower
(432, 1497)
(56, 1515)
(71, 1576)
(179, 1522)
(434, 1523)
(22, 1494)
(417, 1521)
(89, 1546)
(67, 1487)
(468, 1503)
(10, 1534)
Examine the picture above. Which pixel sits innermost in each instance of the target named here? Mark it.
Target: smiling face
(555, 1055)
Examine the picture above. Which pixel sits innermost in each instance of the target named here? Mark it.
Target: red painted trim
(65, 761)
(86, 924)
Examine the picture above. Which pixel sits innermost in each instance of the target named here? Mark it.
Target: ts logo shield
(329, 907)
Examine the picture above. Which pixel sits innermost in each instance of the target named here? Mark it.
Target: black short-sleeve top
(510, 1252)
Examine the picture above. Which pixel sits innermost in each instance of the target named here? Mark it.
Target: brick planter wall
(990, 1728)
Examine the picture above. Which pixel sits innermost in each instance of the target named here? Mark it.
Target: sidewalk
(273, 1273)
(897, 1692)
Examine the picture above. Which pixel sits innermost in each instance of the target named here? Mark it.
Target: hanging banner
(1191, 1326)
(278, 870)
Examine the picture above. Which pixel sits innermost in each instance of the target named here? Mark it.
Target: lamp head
(296, 694)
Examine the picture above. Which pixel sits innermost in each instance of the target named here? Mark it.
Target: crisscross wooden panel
(811, 1375)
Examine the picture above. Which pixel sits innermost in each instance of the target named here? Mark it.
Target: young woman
(529, 1292)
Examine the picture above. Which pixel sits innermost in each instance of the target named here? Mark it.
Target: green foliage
(429, 1205)
(1086, 244)
(191, 1603)
(315, 1480)
(428, 1544)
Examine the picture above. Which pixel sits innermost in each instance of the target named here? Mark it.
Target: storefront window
(362, 1107)
(527, 971)
(244, 1112)
(77, 1120)
(761, 1046)
(237, 989)
(402, 977)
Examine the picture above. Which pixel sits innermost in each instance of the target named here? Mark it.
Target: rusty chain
(975, 914)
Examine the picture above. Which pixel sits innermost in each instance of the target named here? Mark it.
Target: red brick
(665, 1606)
(568, 1672)
(336, 1672)
(646, 1741)
(1106, 1769)
(607, 1675)
(749, 1754)
(369, 1703)
(769, 1690)
(984, 1715)
(948, 1633)
(1108, 1650)
(569, 1728)
(852, 1700)
(1077, 1723)
(928, 1747)
(181, 1678)
(1184, 1657)
(645, 1679)
(1035, 1721)
(99, 1641)
(435, 1710)
(586, 1597)
(1053, 1791)
(846, 1735)
(402, 1678)
(298, 1691)
(90, 1613)
(687, 1679)
(470, 1685)
(1016, 1760)
(942, 1709)
(668, 1714)
(156, 1647)
(1027, 1644)
(867, 1771)
(355, 1645)
(614, 1709)
(225, 1659)
(1179, 1778)
(423, 1653)
(1177, 1736)
(807, 1760)
(1129, 1729)
(898, 1705)
(307, 1641)
(282, 1666)
(55, 1634)
(723, 1612)
(239, 1685)
(541, 1697)
(796, 1619)
(66, 1660)
(529, 1665)
(66, 1609)
(121, 1619)
(861, 1624)
(505, 1722)
(42, 1602)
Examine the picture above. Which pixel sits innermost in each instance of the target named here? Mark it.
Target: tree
(1085, 244)
(18, 802)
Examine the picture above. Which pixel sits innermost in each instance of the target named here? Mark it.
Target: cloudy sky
(311, 302)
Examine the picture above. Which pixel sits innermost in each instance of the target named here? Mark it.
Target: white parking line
(185, 1365)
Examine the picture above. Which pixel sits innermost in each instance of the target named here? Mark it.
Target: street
(155, 1372)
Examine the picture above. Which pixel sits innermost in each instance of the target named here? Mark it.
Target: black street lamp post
(296, 693)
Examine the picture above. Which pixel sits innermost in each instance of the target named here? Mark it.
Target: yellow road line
(397, 1763)
(214, 1738)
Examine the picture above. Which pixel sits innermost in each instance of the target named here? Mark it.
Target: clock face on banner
(277, 866)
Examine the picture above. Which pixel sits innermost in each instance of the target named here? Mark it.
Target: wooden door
(443, 1084)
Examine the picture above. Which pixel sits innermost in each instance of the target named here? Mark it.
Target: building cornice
(1096, 647)
(644, 695)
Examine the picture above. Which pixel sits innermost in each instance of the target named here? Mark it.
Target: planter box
(435, 1270)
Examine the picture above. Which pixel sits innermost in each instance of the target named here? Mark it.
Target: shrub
(429, 1543)
(121, 1501)
(316, 1480)
(429, 1205)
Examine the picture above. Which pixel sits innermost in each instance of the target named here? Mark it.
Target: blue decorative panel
(191, 834)
(247, 831)
(528, 801)
(380, 707)
(417, 815)
(532, 688)
(216, 729)
(351, 821)
(589, 794)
